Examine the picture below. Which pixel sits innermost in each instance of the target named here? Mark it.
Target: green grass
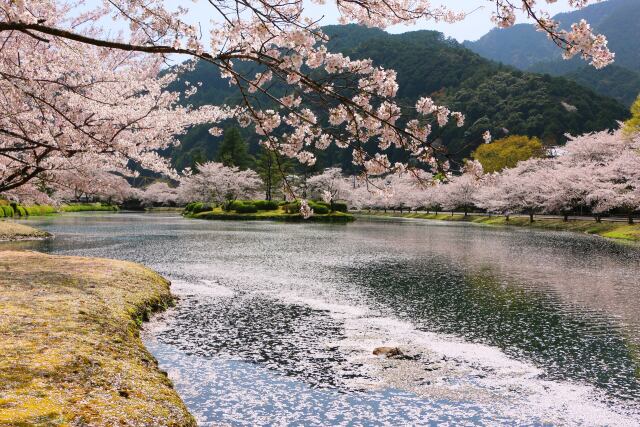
(71, 349)
(613, 230)
(6, 210)
(87, 207)
(272, 215)
(39, 210)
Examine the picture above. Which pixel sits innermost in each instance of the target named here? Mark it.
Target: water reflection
(567, 341)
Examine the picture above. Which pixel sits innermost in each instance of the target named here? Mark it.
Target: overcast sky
(475, 26)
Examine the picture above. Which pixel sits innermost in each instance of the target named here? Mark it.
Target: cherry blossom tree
(431, 198)
(71, 87)
(519, 189)
(216, 183)
(330, 185)
(159, 193)
(67, 102)
(86, 182)
(568, 188)
(460, 193)
(30, 194)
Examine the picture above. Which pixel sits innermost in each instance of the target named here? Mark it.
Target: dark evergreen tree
(234, 150)
(272, 167)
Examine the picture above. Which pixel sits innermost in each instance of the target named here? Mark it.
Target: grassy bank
(88, 207)
(11, 231)
(164, 209)
(70, 351)
(12, 210)
(278, 214)
(269, 210)
(614, 230)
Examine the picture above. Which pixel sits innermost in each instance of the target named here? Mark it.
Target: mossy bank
(70, 350)
(10, 230)
(612, 230)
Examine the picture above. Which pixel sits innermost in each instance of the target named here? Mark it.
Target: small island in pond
(268, 210)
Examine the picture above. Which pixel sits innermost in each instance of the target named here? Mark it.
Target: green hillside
(492, 96)
(527, 49)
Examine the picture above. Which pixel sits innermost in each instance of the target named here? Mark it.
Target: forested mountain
(493, 96)
(527, 49)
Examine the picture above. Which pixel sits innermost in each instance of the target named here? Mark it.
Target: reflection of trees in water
(567, 341)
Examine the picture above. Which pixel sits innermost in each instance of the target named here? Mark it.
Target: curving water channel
(276, 323)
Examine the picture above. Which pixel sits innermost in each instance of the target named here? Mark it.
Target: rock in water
(387, 351)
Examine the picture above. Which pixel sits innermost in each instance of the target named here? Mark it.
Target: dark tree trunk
(565, 217)
(630, 218)
(530, 216)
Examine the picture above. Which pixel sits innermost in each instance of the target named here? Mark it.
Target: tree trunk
(465, 211)
(506, 218)
(565, 217)
(530, 217)
(598, 218)
(630, 218)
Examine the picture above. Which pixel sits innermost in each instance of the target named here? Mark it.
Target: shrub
(201, 207)
(21, 210)
(189, 207)
(234, 205)
(340, 207)
(320, 209)
(292, 208)
(245, 208)
(39, 210)
(7, 210)
(1, 213)
(265, 205)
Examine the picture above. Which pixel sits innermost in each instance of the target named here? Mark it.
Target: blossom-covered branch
(69, 88)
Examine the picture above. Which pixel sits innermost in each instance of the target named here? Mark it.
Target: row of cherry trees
(598, 173)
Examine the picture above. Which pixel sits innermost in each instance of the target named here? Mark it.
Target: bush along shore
(609, 229)
(71, 350)
(11, 210)
(257, 210)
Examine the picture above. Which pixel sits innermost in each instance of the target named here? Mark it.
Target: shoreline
(71, 348)
(618, 231)
(334, 217)
(11, 231)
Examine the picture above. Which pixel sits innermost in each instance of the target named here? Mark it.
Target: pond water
(276, 323)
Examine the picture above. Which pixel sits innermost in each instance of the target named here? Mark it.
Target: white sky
(475, 26)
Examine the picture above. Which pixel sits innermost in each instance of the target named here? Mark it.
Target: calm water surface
(277, 322)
